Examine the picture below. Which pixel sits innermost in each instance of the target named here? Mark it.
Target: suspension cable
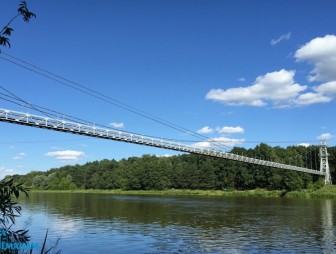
(108, 99)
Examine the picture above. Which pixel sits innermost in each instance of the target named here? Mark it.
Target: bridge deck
(15, 117)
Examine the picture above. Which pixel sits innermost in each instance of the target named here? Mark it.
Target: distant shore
(325, 192)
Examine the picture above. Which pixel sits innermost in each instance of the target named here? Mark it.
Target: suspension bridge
(49, 123)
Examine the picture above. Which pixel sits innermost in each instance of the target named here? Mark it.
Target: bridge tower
(324, 164)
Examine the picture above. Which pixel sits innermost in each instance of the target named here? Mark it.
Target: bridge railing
(93, 131)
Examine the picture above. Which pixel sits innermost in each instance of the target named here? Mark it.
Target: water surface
(103, 223)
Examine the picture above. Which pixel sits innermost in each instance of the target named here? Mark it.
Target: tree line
(188, 171)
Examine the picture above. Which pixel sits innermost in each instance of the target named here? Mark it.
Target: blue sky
(241, 72)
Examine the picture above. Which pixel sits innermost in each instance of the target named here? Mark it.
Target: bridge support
(324, 164)
(78, 128)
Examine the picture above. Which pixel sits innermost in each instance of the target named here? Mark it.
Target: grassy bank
(325, 192)
(328, 191)
(174, 192)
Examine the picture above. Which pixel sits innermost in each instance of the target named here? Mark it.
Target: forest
(188, 171)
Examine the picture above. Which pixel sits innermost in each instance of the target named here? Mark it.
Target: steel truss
(21, 118)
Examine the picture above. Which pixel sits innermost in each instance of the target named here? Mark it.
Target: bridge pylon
(324, 164)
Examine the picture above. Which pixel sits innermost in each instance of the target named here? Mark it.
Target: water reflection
(93, 223)
(328, 227)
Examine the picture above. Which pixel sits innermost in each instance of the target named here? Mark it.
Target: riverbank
(325, 192)
(328, 191)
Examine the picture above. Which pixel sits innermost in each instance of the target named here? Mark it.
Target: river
(103, 223)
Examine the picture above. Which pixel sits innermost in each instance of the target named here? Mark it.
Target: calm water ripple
(99, 223)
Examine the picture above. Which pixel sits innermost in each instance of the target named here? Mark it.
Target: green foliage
(40, 181)
(207, 177)
(25, 13)
(9, 210)
(193, 172)
(328, 191)
(316, 185)
(53, 181)
(6, 31)
(66, 184)
(292, 181)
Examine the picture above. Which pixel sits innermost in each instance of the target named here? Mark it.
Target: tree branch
(3, 29)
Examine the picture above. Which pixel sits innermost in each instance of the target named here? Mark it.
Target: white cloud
(277, 87)
(321, 52)
(217, 142)
(328, 89)
(281, 38)
(242, 79)
(321, 94)
(5, 171)
(326, 136)
(66, 155)
(303, 144)
(311, 98)
(117, 125)
(205, 130)
(19, 156)
(230, 130)
(221, 130)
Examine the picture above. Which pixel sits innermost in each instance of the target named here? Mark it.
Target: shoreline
(325, 192)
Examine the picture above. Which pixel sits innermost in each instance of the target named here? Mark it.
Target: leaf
(22, 7)
(17, 193)
(4, 41)
(7, 31)
(44, 242)
(26, 14)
